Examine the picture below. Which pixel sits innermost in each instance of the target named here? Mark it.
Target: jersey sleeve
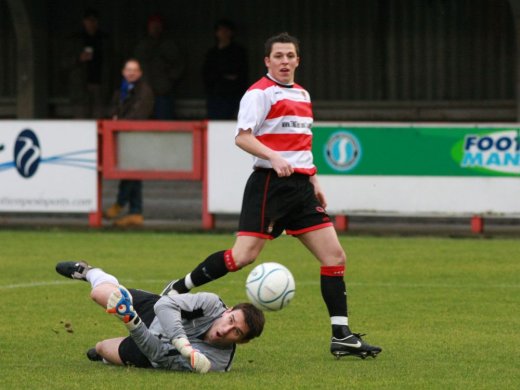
(254, 107)
(157, 350)
(170, 309)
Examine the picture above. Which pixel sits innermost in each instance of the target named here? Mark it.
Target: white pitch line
(33, 284)
(306, 283)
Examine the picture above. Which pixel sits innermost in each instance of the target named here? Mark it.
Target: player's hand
(281, 166)
(321, 198)
(198, 361)
(120, 304)
(318, 192)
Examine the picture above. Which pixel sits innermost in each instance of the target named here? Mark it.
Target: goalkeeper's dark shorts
(129, 352)
(272, 204)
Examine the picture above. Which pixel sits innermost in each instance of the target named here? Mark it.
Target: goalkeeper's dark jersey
(191, 316)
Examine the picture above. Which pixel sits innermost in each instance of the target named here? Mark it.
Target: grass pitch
(445, 311)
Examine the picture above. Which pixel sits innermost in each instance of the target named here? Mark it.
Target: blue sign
(27, 153)
(342, 151)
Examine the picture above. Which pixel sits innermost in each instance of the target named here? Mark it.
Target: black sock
(212, 268)
(341, 331)
(334, 294)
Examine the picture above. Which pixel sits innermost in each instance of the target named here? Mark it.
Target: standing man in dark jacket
(86, 60)
(133, 100)
(225, 73)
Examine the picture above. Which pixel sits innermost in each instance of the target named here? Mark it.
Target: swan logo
(342, 151)
(27, 153)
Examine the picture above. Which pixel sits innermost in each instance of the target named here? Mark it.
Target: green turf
(445, 311)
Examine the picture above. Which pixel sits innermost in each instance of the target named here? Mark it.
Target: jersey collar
(277, 82)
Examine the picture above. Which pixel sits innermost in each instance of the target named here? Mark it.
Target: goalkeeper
(185, 332)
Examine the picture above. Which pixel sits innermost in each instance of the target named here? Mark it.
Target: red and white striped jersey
(280, 117)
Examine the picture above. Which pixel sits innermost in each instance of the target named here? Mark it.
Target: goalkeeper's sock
(97, 276)
(334, 294)
(214, 267)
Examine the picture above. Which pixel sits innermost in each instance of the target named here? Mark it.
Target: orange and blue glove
(120, 304)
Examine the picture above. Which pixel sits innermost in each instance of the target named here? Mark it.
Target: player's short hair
(254, 319)
(281, 38)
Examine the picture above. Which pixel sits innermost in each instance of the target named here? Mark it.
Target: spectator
(162, 64)
(225, 73)
(88, 67)
(133, 100)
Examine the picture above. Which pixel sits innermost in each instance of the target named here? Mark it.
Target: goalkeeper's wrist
(133, 323)
(182, 344)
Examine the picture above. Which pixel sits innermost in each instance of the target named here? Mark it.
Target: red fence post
(341, 222)
(477, 224)
(208, 219)
(95, 218)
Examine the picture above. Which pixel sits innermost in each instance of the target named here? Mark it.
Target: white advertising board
(48, 166)
(229, 167)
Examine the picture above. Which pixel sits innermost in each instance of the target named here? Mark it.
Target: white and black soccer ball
(270, 286)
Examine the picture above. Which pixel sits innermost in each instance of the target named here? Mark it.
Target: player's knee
(94, 295)
(337, 258)
(244, 259)
(101, 348)
(98, 296)
(342, 258)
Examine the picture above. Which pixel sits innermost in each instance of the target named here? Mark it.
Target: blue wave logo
(28, 156)
(342, 151)
(27, 153)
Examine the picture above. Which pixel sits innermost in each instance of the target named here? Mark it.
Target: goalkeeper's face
(230, 328)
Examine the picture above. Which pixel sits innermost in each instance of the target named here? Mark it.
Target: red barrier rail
(108, 167)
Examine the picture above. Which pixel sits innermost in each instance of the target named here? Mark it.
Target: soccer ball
(270, 286)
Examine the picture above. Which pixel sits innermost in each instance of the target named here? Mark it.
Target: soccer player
(283, 192)
(185, 332)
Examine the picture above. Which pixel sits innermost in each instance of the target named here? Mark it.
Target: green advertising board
(417, 151)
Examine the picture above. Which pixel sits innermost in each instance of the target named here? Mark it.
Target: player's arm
(150, 345)
(245, 140)
(254, 108)
(169, 310)
(318, 191)
(156, 350)
(120, 304)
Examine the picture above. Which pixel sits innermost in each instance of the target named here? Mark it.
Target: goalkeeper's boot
(73, 269)
(168, 289)
(93, 355)
(352, 345)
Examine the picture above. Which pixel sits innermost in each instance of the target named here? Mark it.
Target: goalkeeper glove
(120, 304)
(198, 361)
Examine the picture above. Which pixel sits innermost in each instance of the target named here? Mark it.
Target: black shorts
(273, 204)
(129, 352)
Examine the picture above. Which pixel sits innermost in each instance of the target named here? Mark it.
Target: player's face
(228, 329)
(132, 71)
(282, 62)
